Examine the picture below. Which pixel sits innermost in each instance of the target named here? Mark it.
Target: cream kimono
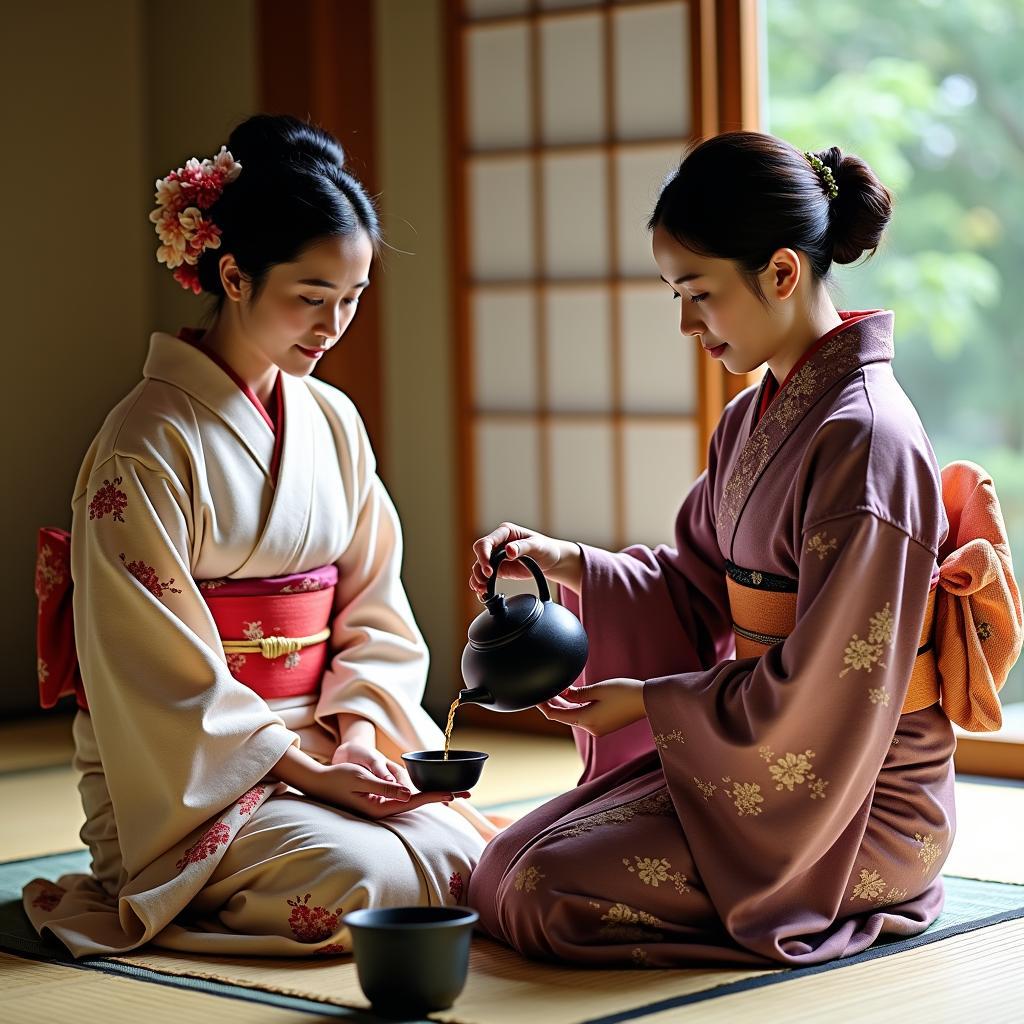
(191, 848)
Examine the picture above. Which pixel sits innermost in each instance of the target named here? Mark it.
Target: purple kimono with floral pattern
(777, 809)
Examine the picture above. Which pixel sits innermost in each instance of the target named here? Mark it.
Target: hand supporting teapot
(522, 650)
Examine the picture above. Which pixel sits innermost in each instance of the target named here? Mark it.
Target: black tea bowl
(431, 773)
(411, 960)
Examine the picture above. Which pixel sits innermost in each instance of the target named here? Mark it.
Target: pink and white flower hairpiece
(184, 229)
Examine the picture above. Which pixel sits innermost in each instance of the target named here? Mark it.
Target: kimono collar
(863, 338)
(176, 362)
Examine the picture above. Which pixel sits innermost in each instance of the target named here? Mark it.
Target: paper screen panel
(562, 5)
(652, 77)
(659, 369)
(579, 354)
(504, 349)
(572, 77)
(575, 215)
(508, 473)
(660, 466)
(494, 8)
(498, 86)
(582, 480)
(640, 173)
(501, 219)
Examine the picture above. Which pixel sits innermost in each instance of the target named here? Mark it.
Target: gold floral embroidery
(663, 739)
(817, 788)
(792, 770)
(883, 627)
(746, 796)
(629, 925)
(870, 886)
(756, 578)
(654, 870)
(865, 654)
(658, 803)
(51, 572)
(843, 353)
(236, 662)
(639, 957)
(42, 670)
(707, 789)
(291, 660)
(766, 754)
(984, 631)
(930, 850)
(893, 896)
(821, 544)
(878, 696)
(527, 879)
(253, 630)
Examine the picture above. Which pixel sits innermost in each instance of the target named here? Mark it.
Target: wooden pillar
(316, 63)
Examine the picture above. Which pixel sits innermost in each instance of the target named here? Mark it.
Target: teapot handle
(498, 556)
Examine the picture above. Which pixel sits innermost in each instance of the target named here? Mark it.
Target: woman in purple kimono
(769, 774)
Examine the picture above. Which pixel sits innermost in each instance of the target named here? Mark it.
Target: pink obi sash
(275, 632)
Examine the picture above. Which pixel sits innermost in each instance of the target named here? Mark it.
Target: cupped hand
(599, 708)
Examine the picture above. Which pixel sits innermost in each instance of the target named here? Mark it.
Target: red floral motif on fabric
(218, 835)
(147, 576)
(51, 571)
(312, 924)
(109, 500)
(48, 897)
(456, 886)
(332, 949)
(251, 800)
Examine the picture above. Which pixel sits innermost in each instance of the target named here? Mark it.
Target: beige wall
(99, 99)
(73, 267)
(417, 322)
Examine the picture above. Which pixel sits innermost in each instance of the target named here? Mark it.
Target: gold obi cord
(763, 607)
(274, 646)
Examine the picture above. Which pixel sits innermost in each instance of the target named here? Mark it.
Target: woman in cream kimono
(765, 715)
(241, 802)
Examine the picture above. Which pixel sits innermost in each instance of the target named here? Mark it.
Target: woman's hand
(600, 708)
(559, 560)
(356, 788)
(356, 752)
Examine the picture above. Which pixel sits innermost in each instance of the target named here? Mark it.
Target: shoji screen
(581, 405)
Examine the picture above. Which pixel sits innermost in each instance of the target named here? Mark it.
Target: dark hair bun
(861, 210)
(266, 139)
(293, 190)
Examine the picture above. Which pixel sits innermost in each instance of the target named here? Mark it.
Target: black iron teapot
(522, 650)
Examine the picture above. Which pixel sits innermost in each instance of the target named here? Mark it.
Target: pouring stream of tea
(448, 727)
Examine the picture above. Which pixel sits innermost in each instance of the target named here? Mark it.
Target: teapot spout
(478, 695)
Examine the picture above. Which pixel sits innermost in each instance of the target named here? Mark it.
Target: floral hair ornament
(824, 172)
(184, 229)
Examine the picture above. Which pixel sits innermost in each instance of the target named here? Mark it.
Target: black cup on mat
(431, 773)
(411, 960)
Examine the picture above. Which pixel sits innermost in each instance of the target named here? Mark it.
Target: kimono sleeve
(179, 738)
(772, 762)
(379, 667)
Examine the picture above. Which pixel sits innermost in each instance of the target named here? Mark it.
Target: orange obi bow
(978, 620)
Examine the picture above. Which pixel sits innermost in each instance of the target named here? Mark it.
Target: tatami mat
(975, 976)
